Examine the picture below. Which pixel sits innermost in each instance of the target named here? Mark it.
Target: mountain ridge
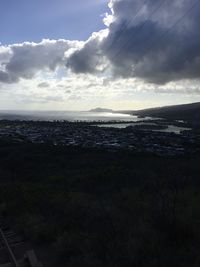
(188, 112)
(101, 110)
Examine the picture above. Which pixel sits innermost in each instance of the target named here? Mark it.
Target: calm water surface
(67, 115)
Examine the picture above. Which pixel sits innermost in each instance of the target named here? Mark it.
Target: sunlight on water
(66, 115)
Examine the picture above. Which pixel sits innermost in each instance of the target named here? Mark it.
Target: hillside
(187, 112)
(102, 209)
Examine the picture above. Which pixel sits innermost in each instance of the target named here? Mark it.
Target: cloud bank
(27, 59)
(157, 41)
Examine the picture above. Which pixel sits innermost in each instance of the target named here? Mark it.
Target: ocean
(66, 115)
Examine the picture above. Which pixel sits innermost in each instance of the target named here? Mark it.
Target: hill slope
(187, 112)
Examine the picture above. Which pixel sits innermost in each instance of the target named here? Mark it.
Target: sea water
(66, 115)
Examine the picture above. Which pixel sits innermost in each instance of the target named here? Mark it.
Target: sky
(78, 55)
(26, 20)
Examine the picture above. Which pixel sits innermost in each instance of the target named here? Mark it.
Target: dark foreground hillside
(96, 208)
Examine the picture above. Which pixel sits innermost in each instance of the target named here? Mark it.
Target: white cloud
(27, 59)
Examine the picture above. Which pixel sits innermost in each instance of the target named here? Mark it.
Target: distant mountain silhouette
(101, 110)
(186, 112)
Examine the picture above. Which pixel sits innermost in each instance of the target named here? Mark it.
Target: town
(89, 135)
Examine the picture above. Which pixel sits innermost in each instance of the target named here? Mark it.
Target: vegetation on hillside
(103, 209)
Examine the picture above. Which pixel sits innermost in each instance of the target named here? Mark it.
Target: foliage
(103, 209)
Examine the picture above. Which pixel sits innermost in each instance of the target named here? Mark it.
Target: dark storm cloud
(88, 58)
(160, 44)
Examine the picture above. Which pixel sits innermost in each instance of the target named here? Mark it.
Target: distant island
(101, 110)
